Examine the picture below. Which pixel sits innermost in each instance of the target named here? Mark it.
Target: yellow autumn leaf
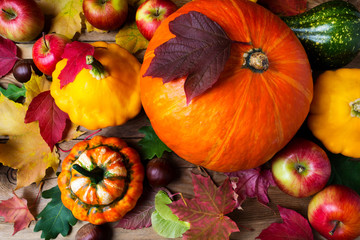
(66, 16)
(91, 28)
(26, 150)
(130, 38)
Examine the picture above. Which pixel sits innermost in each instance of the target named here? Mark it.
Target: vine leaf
(252, 183)
(8, 58)
(199, 51)
(75, 53)
(150, 144)
(55, 218)
(52, 120)
(206, 211)
(294, 226)
(15, 210)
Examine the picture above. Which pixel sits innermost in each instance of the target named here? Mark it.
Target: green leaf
(13, 92)
(55, 218)
(345, 171)
(164, 222)
(150, 144)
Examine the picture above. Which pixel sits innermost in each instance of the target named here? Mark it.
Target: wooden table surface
(251, 220)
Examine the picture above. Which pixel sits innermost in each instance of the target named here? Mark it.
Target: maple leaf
(206, 211)
(52, 120)
(293, 227)
(15, 210)
(130, 38)
(55, 218)
(75, 53)
(199, 51)
(252, 183)
(150, 144)
(8, 58)
(140, 216)
(13, 92)
(68, 20)
(25, 150)
(285, 7)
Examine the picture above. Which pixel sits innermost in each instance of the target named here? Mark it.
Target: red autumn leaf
(8, 58)
(252, 183)
(293, 227)
(140, 216)
(52, 121)
(199, 51)
(285, 7)
(15, 210)
(206, 211)
(75, 53)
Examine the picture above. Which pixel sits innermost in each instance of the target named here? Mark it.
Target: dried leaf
(140, 216)
(206, 211)
(25, 150)
(75, 53)
(68, 21)
(199, 51)
(130, 38)
(293, 227)
(15, 210)
(8, 58)
(285, 7)
(150, 144)
(252, 183)
(13, 92)
(52, 120)
(55, 218)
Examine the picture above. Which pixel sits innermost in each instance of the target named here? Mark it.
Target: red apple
(334, 212)
(47, 51)
(105, 14)
(301, 168)
(151, 13)
(20, 20)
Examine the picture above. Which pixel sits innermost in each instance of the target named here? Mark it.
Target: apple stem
(337, 222)
(98, 70)
(11, 14)
(43, 35)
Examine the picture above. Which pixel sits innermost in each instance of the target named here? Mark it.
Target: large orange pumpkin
(248, 115)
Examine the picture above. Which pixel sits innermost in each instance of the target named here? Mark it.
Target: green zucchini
(329, 32)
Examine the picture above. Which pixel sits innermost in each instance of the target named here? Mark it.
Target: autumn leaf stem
(240, 42)
(38, 195)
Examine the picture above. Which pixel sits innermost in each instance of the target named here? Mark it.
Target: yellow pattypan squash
(334, 116)
(109, 99)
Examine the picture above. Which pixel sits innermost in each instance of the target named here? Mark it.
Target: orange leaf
(15, 210)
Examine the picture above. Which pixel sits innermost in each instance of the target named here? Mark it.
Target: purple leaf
(8, 58)
(199, 51)
(140, 216)
(293, 227)
(252, 183)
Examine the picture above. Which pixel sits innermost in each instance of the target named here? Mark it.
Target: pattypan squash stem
(95, 175)
(355, 108)
(97, 71)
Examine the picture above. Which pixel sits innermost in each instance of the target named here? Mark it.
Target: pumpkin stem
(98, 70)
(355, 108)
(256, 60)
(95, 175)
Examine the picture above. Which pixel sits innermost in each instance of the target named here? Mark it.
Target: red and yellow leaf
(15, 210)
